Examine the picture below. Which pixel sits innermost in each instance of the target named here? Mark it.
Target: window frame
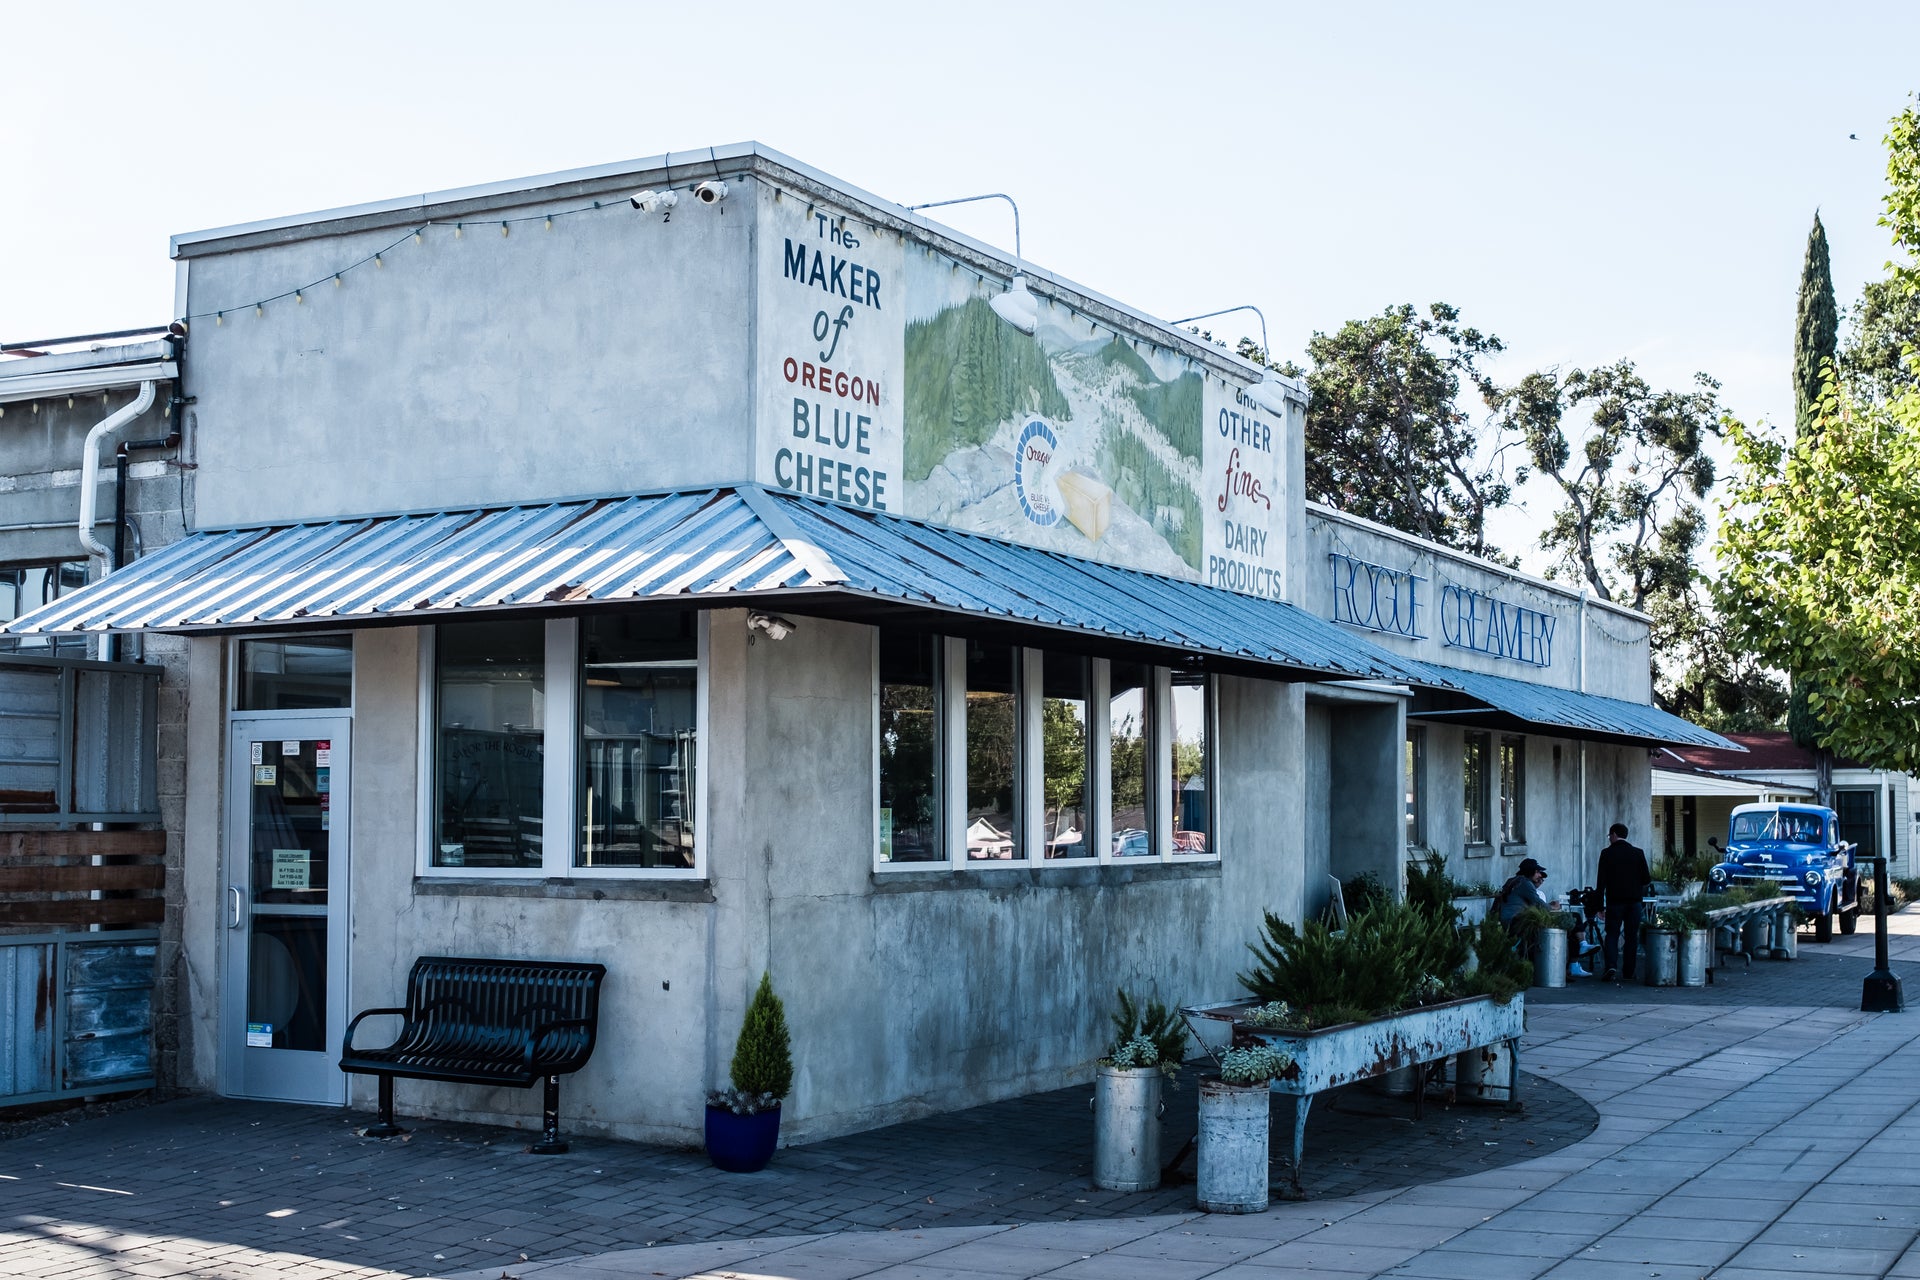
(562, 716)
(1416, 783)
(1513, 809)
(1477, 806)
(1030, 797)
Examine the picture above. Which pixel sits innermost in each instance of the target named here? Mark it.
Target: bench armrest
(544, 1029)
(346, 1041)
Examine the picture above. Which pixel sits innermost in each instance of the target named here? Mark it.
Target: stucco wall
(1616, 643)
(906, 994)
(607, 354)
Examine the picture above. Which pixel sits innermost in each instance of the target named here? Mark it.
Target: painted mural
(891, 383)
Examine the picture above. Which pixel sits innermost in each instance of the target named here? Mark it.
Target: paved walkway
(1756, 1127)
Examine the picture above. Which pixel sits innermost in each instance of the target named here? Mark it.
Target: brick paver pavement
(206, 1187)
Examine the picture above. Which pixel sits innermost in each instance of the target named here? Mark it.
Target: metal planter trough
(1335, 1056)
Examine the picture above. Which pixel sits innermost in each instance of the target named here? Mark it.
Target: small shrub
(1254, 1064)
(762, 1068)
(1362, 893)
(1146, 1035)
(1275, 1015)
(1373, 966)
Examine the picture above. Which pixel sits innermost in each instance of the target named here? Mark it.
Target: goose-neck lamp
(1017, 306)
(1268, 393)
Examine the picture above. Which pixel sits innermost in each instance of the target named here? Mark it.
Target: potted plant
(743, 1122)
(1233, 1154)
(1149, 1041)
(1660, 947)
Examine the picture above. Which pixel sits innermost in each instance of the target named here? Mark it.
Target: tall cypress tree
(1816, 331)
(1816, 337)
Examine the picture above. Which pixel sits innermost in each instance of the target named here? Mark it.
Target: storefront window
(489, 757)
(1064, 745)
(1129, 696)
(1192, 764)
(909, 747)
(1416, 786)
(296, 675)
(638, 745)
(1474, 772)
(1513, 790)
(993, 722)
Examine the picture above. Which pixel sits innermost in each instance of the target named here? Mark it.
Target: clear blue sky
(1620, 179)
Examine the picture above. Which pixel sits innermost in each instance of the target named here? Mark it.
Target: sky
(1591, 182)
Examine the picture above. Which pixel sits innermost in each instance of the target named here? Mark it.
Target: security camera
(654, 201)
(712, 192)
(776, 627)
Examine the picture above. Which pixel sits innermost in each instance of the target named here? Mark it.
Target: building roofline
(760, 161)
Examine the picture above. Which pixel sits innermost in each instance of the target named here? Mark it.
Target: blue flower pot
(742, 1144)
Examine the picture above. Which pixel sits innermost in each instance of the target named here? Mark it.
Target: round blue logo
(1032, 473)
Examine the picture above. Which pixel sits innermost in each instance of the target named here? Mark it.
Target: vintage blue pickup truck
(1798, 847)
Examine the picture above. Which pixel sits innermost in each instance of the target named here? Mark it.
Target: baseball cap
(1528, 866)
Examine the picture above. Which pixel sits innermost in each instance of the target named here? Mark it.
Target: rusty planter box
(1356, 1051)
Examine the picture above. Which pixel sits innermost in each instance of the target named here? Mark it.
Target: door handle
(237, 903)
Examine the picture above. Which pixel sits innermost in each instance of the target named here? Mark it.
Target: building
(1696, 788)
(708, 567)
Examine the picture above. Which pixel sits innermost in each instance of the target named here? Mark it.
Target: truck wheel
(1823, 927)
(1850, 920)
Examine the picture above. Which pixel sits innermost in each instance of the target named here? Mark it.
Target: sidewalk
(1721, 1138)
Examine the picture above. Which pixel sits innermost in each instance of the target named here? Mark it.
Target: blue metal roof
(698, 546)
(1583, 713)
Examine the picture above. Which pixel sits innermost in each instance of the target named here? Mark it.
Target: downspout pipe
(121, 458)
(90, 474)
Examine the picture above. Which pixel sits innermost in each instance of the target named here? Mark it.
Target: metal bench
(470, 1021)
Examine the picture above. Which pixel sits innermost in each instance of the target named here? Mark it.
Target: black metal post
(1881, 993)
(550, 1143)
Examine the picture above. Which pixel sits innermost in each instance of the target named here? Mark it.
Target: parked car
(1798, 847)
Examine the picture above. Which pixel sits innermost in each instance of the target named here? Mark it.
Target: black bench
(487, 1022)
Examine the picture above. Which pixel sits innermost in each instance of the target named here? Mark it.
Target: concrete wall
(906, 993)
(607, 354)
(1616, 643)
(1619, 788)
(1354, 779)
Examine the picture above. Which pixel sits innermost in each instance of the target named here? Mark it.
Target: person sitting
(1520, 892)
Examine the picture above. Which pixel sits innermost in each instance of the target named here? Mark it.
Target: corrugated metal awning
(1583, 715)
(712, 547)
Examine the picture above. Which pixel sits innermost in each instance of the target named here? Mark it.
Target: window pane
(1475, 785)
(1128, 700)
(909, 747)
(1417, 785)
(639, 693)
(992, 754)
(1513, 785)
(491, 679)
(291, 675)
(1192, 772)
(24, 588)
(1063, 732)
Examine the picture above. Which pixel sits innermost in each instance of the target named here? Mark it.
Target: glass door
(286, 908)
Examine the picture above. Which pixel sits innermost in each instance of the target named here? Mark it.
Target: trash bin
(1696, 956)
(1662, 957)
(1550, 958)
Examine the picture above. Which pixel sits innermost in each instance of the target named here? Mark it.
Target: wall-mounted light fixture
(1268, 393)
(1017, 306)
(654, 201)
(776, 627)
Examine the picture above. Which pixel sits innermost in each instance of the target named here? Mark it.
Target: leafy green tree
(1387, 437)
(1879, 360)
(1821, 544)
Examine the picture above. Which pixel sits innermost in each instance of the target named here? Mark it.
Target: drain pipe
(90, 477)
(1581, 650)
(121, 458)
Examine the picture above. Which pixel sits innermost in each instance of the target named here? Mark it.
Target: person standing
(1623, 879)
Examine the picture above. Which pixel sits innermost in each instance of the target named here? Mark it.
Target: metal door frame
(236, 870)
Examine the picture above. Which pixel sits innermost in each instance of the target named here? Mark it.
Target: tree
(1816, 335)
(1821, 543)
(1630, 480)
(1386, 436)
(1879, 361)
(1816, 330)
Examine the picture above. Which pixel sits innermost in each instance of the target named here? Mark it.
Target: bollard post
(1881, 993)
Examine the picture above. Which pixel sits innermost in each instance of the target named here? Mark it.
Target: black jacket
(1623, 877)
